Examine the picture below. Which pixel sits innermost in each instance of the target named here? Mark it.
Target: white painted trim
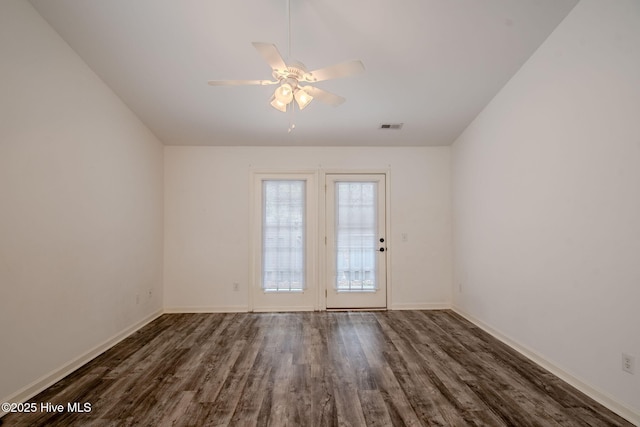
(388, 234)
(256, 293)
(322, 239)
(282, 309)
(208, 309)
(252, 242)
(598, 395)
(372, 171)
(56, 375)
(422, 306)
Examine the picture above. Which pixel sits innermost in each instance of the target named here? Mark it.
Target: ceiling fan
(291, 75)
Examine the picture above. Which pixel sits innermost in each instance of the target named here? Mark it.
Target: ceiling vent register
(391, 126)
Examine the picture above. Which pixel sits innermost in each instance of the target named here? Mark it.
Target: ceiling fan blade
(337, 71)
(323, 96)
(270, 54)
(240, 82)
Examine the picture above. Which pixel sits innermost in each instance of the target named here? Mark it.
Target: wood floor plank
(250, 341)
(323, 406)
(374, 408)
(528, 383)
(373, 346)
(344, 379)
(405, 368)
(494, 371)
(467, 366)
(437, 404)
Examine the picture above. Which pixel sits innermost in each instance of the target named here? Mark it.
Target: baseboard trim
(207, 309)
(282, 309)
(53, 377)
(421, 306)
(599, 396)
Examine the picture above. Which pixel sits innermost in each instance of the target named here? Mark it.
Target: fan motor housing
(295, 71)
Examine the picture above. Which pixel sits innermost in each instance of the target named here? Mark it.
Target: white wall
(80, 208)
(207, 219)
(546, 201)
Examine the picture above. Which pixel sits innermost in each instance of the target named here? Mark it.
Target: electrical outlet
(628, 363)
(236, 286)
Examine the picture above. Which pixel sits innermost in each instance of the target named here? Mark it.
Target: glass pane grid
(356, 229)
(283, 233)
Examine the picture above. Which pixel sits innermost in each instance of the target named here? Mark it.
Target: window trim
(295, 300)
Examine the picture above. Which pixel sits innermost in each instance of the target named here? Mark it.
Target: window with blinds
(356, 228)
(283, 235)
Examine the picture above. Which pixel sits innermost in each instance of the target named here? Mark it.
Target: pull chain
(292, 125)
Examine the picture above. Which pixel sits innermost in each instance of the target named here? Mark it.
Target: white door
(356, 241)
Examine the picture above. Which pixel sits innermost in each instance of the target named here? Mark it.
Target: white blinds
(283, 235)
(356, 229)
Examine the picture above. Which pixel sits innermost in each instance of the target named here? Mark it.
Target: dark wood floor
(313, 369)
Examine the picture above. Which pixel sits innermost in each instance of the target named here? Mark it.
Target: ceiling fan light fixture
(284, 93)
(302, 98)
(279, 105)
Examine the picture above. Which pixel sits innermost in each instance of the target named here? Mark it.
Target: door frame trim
(319, 248)
(322, 229)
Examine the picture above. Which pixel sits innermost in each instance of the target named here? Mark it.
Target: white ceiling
(430, 64)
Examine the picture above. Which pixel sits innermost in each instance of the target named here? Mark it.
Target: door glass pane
(356, 229)
(283, 235)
